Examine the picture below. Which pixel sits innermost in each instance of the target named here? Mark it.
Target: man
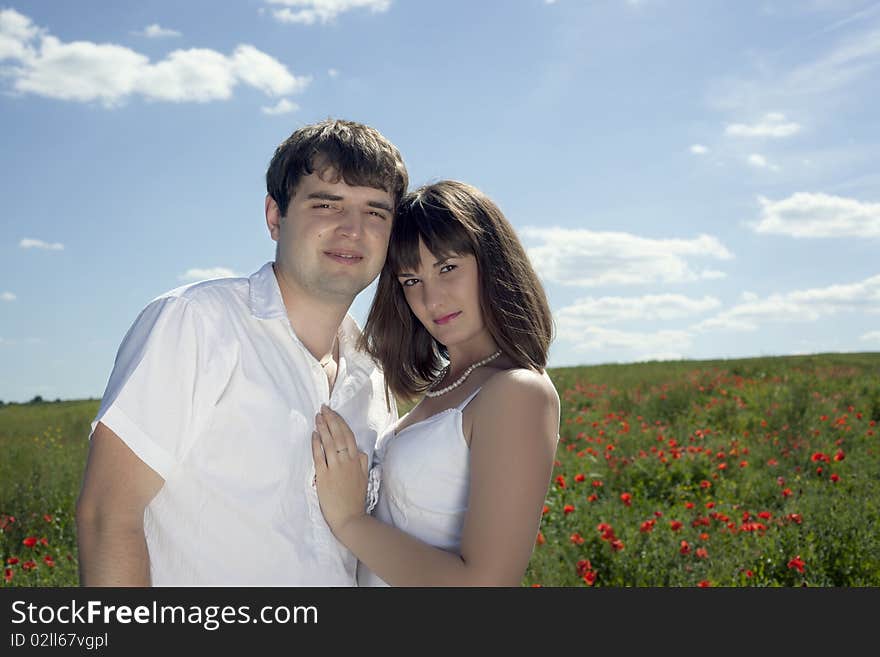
(200, 469)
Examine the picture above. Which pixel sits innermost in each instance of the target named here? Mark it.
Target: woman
(460, 316)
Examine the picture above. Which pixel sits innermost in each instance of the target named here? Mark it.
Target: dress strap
(468, 399)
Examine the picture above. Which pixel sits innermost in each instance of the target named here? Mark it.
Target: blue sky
(692, 179)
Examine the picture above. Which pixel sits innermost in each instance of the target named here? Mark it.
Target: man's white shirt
(214, 391)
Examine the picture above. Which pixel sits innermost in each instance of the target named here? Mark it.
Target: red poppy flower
(12, 561)
(685, 547)
(30, 541)
(798, 563)
(764, 515)
(49, 561)
(579, 477)
(710, 505)
(47, 518)
(29, 565)
(705, 584)
(560, 481)
(597, 483)
(835, 477)
(44, 541)
(840, 455)
(626, 498)
(819, 456)
(568, 508)
(545, 510)
(749, 573)
(576, 538)
(705, 483)
(589, 578)
(796, 517)
(702, 552)
(786, 492)
(592, 498)
(704, 536)
(537, 586)
(722, 466)
(688, 505)
(647, 526)
(675, 525)
(540, 540)
(8, 575)
(617, 545)
(583, 566)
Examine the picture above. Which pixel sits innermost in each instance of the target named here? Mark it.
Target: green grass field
(757, 472)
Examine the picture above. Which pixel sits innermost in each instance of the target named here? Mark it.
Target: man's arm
(116, 488)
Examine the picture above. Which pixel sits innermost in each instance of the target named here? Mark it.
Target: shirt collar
(265, 295)
(266, 303)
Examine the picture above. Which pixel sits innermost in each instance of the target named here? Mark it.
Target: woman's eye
(409, 282)
(446, 268)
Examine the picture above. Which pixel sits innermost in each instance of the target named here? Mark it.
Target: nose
(351, 224)
(433, 297)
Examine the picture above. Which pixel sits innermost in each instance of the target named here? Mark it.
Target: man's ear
(273, 218)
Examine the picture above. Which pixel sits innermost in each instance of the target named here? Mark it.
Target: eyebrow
(436, 264)
(327, 196)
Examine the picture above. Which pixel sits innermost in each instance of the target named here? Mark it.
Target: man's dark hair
(358, 154)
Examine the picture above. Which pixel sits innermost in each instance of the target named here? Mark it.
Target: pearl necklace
(460, 380)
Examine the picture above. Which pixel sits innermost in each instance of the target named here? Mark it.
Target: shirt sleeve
(154, 393)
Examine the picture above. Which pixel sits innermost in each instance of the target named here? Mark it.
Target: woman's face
(444, 294)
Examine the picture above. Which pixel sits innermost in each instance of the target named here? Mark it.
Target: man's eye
(322, 206)
(376, 213)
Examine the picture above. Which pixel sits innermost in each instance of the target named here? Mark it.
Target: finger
(365, 462)
(342, 433)
(337, 428)
(318, 453)
(326, 441)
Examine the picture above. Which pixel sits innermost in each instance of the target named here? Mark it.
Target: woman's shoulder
(520, 386)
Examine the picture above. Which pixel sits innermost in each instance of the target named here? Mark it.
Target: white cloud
(30, 243)
(872, 336)
(818, 215)
(332, 72)
(798, 306)
(605, 310)
(760, 162)
(16, 34)
(7, 296)
(196, 274)
(699, 149)
(837, 70)
(84, 71)
(588, 258)
(309, 12)
(772, 125)
(156, 31)
(594, 338)
(283, 106)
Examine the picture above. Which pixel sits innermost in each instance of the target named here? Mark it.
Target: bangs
(442, 232)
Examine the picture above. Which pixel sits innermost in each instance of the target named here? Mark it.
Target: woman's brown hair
(453, 218)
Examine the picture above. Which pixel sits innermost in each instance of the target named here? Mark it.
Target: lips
(447, 318)
(344, 257)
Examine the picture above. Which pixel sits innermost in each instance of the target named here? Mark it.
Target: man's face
(333, 240)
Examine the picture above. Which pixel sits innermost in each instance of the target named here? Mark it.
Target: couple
(248, 435)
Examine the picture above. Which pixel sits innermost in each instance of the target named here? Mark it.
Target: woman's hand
(341, 471)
